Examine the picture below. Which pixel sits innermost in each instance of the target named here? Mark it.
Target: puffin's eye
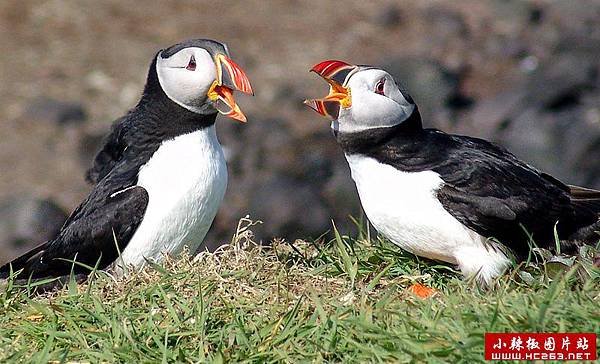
(191, 64)
(379, 87)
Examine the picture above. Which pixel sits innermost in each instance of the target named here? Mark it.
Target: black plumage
(486, 187)
(105, 221)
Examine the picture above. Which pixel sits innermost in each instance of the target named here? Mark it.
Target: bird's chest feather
(403, 206)
(186, 180)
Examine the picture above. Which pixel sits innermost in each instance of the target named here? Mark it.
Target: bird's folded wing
(516, 211)
(494, 194)
(483, 208)
(92, 238)
(113, 147)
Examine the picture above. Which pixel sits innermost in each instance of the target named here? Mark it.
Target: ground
(341, 301)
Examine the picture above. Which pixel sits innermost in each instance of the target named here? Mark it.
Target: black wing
(90, 236)
(496, 195)
(112, 150)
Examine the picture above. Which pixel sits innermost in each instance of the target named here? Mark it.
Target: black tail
(587, 203)
(585, 199)
(22, 262)
(33, 270)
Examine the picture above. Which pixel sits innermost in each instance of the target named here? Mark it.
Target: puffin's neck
(408, 132)
(161, 117)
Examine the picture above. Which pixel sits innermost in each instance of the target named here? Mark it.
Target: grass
(340, 301)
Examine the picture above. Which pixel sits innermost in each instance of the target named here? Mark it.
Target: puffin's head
(199, 75)
(360, 98)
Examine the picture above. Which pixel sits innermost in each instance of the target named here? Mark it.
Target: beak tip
(312, 105)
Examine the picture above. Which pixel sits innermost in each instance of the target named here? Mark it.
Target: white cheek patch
(187, 88)
(370, 110)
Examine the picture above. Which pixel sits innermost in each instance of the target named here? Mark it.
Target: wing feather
(88, 237)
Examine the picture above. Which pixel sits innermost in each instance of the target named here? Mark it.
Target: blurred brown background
(522, 73)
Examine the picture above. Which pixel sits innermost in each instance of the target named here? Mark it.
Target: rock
(55, 111)
(536, 15)
(290, 208)
(315, 166)
(389, 16)
(545, 117)
(25, 222)
(491, 115)
(279, 178)
(558, 82)
(512, 13)
(561, 143)
(340, 193)
(89, 145)
(288, 95)
(444, 24)
(427, 81)
(459, 101)
(275, 147)
(283, 179)
(531, 137)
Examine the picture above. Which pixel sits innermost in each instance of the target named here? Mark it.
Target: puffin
(451, 198)
(160, 176)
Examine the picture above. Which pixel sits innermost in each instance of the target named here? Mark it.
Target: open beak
(335, 73)
(230, 77)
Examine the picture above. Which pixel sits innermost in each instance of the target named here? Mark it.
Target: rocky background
(522, 73)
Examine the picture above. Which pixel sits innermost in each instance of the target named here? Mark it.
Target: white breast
(186, 180)
(403, 206)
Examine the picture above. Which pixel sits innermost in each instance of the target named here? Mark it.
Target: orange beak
(335, 73)
(230, 77)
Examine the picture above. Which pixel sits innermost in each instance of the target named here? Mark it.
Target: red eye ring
(191, 64)
(379, 88)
